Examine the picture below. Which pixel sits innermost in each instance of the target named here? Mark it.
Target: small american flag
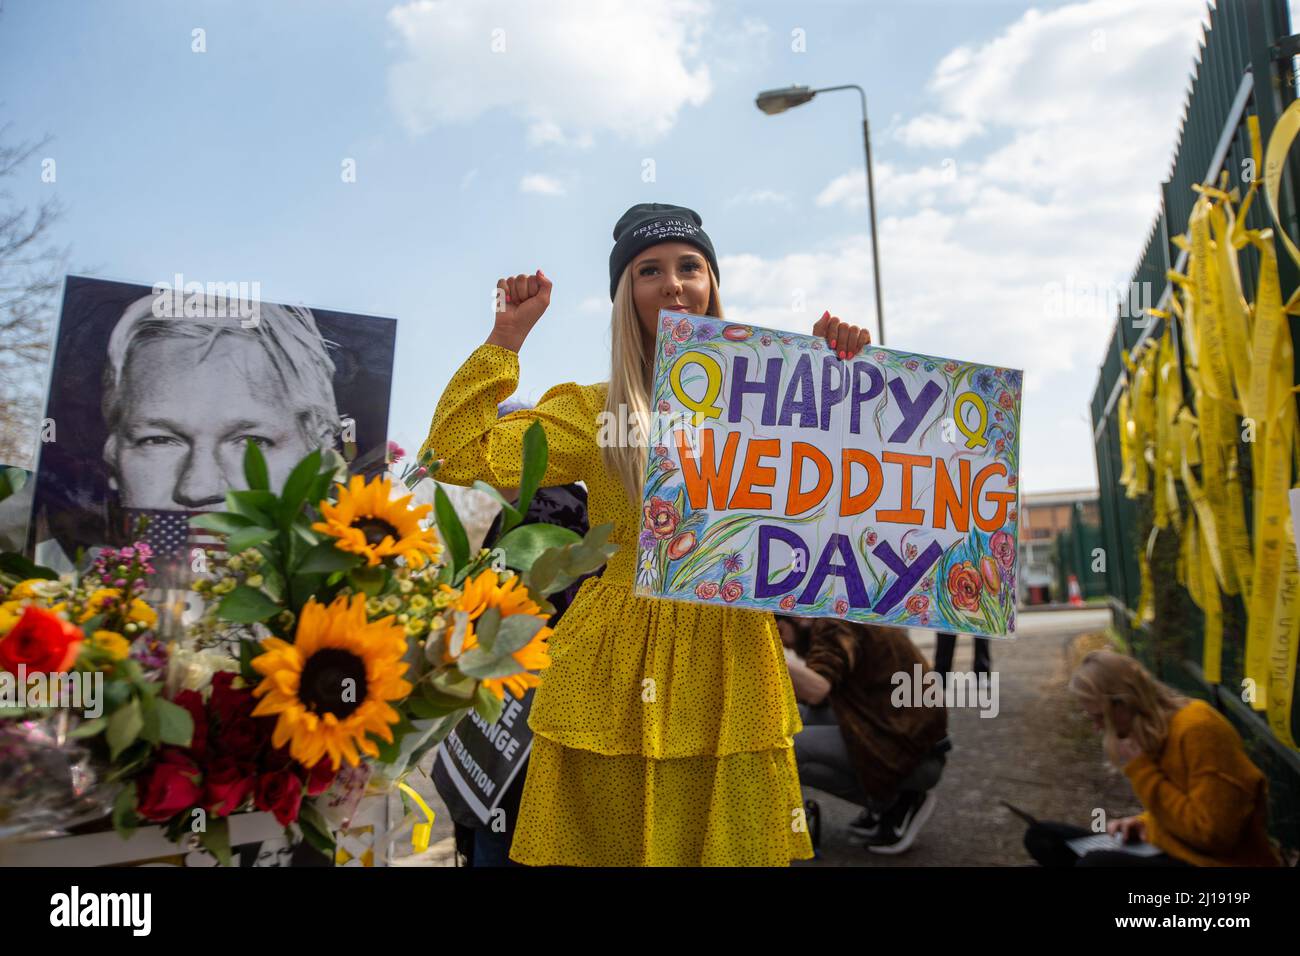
(174, 540)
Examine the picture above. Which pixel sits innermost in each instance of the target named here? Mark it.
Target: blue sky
(1018, 150)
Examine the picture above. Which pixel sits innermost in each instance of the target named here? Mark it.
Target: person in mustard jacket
(663, 730)
(1204, 802)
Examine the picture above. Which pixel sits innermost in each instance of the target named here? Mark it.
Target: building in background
(1058, 532)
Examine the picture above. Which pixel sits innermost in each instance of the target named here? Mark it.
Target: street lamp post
(778, 101)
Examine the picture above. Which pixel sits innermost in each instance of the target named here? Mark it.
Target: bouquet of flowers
(82, 707)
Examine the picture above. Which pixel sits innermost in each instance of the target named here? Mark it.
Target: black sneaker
(902, 822)
(864, 829)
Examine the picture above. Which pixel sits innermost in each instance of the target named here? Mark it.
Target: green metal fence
(1245, 67)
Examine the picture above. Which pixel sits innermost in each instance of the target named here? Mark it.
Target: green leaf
(124, 726)
(483, 664)
(245, 605)
(220, 521)
(488, 706)
(260, 507)
(249, 537)
(424, 708)
(370, 581)
(12, 481)
(315, 829)
(524, 544)
(485, 628)
(450, 528)
(515, 632)
(11, 562)
(125, 819)
(510, 515)
(324, 558)
(296, 487)
(88, 728)
(175, 725)
(247, 651)
(255, 468)
(454, 684)
(536, 455)
(216, 836)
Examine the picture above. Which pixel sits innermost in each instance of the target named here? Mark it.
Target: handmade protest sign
(781, 477)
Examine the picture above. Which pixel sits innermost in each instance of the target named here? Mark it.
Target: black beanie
(648, 223)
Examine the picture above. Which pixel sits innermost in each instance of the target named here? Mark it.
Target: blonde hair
(1106, 679)
(631, 367)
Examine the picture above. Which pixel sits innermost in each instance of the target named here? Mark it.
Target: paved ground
(1038, 753)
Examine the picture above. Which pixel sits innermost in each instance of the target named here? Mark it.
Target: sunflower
(508, 597)
(368, 522)
(332, 685)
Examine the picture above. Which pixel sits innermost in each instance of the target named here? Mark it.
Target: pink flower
(912, 364)
(787, 602)
(871, 538)
(841, 606)
(731, 591)
(917, 604)
(682, 330)
(706, 590)
(766, 339)
(965, 586)
(661, 451)
(665, 407)
(666, 465)
(670, 348)
(950, 366)
(1003, 548)
(910, 551)
(1006, 401)
(668, 322)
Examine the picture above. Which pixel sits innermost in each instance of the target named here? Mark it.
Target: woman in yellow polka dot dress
(663, 731)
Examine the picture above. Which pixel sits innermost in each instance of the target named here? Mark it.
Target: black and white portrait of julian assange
(151, 406)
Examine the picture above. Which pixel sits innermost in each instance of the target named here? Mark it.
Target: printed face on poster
(155, 393)
(880, 489)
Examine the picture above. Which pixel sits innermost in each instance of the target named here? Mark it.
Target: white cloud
(754, 197)
(935, 131)
(1079, 108)
(541, 184)
(567, 70)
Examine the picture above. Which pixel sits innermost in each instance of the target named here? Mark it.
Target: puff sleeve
(475, 445)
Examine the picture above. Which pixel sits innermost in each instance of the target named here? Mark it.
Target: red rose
(841, 605)
(731, 591)
(917, 604)
(319, 778)
(192, 701)
(227, 786)
(227, 702)
(169, 786)
(964, 585)
(787, 602)
(682, 330)
(707, 590)
(42, 640)
(1006, 401)
(241, 738)
(661, 517)
(279, 793)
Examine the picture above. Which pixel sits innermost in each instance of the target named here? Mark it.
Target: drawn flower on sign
(733, 562)
(668, 322)
(964, 586)
(731, 591)
(950, 367)
(989, 572)
(681, 545)
(670, 349)
(880, 356)
(738, 333)
(1013, 480)
(666, 465)
(1000, 444)
(661, 451)
(787, 602)
(917, 604)
(841, 606)
(682, 330)
(647, 540)
(910, 551)
(706, 590)
(705, 332)
(1006, 401)
(664, 406)
(661, 517)
(1003, 548)
(912, 364)
(871, 538)
(766, 340)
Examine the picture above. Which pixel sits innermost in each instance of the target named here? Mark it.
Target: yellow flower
(117, 646)
(366, 521)
(24, 590)
(142, 613)
(10, 612)
(508, 597)
(95, 604)
(332, 685)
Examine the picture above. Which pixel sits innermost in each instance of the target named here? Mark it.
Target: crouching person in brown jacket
(855, 743)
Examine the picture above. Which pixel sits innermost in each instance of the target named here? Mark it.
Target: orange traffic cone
(1076, 595)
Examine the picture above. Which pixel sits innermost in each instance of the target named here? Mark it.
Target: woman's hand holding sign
(846, 340)
(520, 302)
